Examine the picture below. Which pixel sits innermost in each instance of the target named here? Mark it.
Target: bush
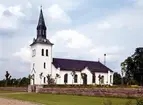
(128, 102)
(139, 101)
(135, 86)
(78, 86)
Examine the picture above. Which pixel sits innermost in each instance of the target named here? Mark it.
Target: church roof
(41, 41)
(41, 22)
(78, 65)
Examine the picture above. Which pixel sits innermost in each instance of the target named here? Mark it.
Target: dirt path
(8, 101)
(4, 101)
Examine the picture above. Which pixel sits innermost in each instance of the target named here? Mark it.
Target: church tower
(41, 58)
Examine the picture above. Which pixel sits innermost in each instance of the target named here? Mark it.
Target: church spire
(41, 31)
(41, 27)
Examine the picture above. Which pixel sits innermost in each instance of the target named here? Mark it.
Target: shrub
(128, 102)
(135, 86)
(139, 101)
(79, 86)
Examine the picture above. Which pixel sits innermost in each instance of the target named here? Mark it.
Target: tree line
(9, 81)
(131, 69)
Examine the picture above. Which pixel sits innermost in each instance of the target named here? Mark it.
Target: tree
(101, 79)
(41, 75)
(83, 76)
(57, 76)
(117, 79)
(133, 67)
(24, 81)
(73, 75)
(7, 76)
(50, 80)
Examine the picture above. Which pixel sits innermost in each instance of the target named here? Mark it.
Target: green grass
(52, 99)
(6, 91)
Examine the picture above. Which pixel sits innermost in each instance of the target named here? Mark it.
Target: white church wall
(111, 82)
(102, 74)
(79, 78)
(70, 78)
(54, 72)
(89, 75)
(39, 61)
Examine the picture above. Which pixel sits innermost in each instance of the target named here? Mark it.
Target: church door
(85, 79)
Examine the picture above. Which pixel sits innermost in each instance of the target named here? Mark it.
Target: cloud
(68, 5)
(9, 19)
(16, 10)
(24, 54)
(138, 3)
(15, 67)
(71, 39)
(112, 52)
(57, 14)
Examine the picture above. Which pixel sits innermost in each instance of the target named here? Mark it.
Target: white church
(46, 69)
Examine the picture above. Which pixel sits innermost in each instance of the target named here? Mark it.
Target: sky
(79, 29)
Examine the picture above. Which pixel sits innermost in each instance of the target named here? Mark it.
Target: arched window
(44, 80)
(75, 78)
(65, 78)
(102, 79)
(110, 78)
(93, 78)
(44, 65)
(42, 52)
(47, 52)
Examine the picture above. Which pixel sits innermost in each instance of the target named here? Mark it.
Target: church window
(93, 78)
(110, 78)
(33, 53)
(102, 79)
(42, 52)
(44, 80)
(46, 52)
(44, 65)
(65, 78)
(75, 78)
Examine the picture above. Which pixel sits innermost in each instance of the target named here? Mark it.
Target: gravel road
(4, 101)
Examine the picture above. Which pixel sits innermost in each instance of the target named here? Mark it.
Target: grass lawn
(6, 91)
(52, 99)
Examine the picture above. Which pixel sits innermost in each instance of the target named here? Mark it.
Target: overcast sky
(79, 29)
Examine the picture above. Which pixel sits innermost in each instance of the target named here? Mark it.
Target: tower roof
(41, 31)
(41, 22)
